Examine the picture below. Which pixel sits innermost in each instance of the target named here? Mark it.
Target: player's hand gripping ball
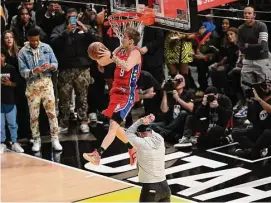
(93, 50)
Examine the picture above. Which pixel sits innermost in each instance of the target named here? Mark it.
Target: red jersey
(123, 94)
(125, 82)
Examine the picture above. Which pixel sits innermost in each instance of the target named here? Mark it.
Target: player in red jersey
(123, 93)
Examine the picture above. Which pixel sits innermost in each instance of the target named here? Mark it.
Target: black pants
(203, 74)
(221, 81)
(255, 139)
(209, 137)
(155, 192)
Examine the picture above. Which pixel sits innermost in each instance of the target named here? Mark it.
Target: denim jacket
(27, 62)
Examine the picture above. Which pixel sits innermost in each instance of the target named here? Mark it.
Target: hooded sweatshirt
(150, 155)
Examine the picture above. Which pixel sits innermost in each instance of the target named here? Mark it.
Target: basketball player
(123, 93)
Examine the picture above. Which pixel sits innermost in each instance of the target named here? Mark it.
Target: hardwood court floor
(25, 178)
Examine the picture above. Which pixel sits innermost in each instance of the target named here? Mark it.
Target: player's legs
(114, 130)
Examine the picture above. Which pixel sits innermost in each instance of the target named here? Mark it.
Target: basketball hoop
(120, 21)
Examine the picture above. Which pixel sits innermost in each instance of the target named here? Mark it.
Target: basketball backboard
(169, 14)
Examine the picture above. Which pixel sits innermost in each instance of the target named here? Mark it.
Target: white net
(119, 22)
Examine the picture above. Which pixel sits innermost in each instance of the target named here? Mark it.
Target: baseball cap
(144, 128)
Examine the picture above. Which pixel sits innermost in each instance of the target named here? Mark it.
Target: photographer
(209, 122)
(177, 103)
(256, 140)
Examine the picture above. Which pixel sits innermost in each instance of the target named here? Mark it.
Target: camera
(210, 98)
(170, 84)
(259, 88)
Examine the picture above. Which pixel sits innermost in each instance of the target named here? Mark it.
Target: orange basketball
(94, 48)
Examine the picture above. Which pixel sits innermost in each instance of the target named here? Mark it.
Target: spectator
(49, 17)
(29, 5)
(8, 108)
(36, 63)
(225, 28)
(229, 55)
(205, 51)
(150, 92)
(178, 54)
(23, 117)
(8, 42)
(209, 122)
(23, 24)
(70, 42)
(253, 43)
(176, 103)
(153, 52)
(255, 141)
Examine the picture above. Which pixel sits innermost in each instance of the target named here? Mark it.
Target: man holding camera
(255, 141)
(176, 104)
(207, 127)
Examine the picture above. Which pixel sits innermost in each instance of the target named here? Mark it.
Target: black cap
(211, 90)
(144, 128)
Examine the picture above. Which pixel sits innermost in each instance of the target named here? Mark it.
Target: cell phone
(73, 20)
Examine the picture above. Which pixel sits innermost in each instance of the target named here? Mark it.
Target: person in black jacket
(255, 141)
(23, 24)
(207, 126)
(70, 42)
(153, 52)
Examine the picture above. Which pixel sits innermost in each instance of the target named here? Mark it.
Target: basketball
(94, 48)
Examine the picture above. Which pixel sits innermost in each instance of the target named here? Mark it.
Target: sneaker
(73, 116)
(62, 129)
(242, 113)
(132, 154)
(3, 148)
(17, 148)
(227, 139)
(84, 128)
(93, 117)
(242, 152)
(247, 122)
(194, 140)
(93, 157)
(183, 142)
(55, 143)
(36, 144)
(264, 152)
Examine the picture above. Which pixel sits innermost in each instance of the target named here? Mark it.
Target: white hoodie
(150, 155)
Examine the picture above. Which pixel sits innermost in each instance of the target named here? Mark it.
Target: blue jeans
(9, 112)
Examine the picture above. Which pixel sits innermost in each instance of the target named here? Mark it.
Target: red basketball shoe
(93, 157)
